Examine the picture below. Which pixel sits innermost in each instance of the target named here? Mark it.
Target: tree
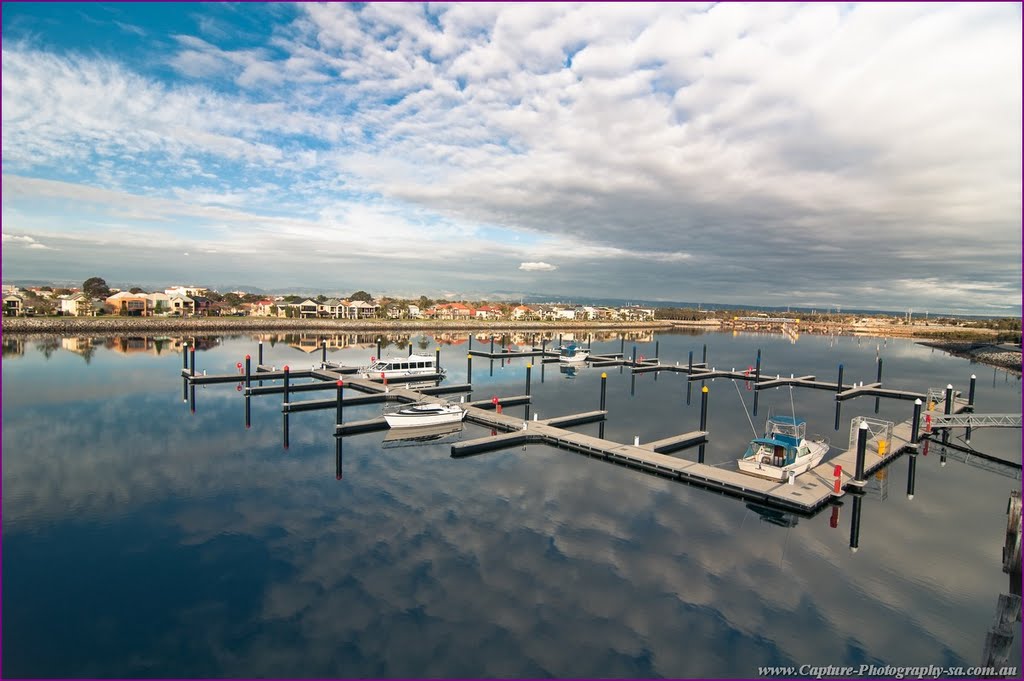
(135, 289)
(96, 287)
(425, 302)
(361, 295)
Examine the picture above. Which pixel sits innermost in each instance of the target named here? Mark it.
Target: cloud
(28, 241)
(537, 267)
(674, 136)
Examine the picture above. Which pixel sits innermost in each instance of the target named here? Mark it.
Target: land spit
(983, 353)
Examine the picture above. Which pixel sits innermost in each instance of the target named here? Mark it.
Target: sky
(853, 155)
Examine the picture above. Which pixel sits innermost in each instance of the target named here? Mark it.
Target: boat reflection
(409, 437)
(773, 515)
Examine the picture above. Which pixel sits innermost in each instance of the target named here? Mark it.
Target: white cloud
(28, 241)
(665, 135)
(537, 267)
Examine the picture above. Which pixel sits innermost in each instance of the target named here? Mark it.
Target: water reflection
(244, 560)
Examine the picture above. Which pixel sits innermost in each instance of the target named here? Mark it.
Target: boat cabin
(402, 366)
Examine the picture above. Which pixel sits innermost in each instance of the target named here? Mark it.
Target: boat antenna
(791, 406)
(744, 407)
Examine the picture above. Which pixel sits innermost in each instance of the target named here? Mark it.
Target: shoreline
(978, 351)
(85, 325)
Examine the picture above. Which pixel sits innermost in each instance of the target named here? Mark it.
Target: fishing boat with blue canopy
(573, 353)
(784, 450)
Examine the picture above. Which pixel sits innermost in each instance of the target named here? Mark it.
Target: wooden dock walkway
(804, 495)
(807, 494)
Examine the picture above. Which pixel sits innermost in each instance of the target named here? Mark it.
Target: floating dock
(803, 495)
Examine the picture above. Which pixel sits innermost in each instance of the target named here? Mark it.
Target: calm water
(140, 539)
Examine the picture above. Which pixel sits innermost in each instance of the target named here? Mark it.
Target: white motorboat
(422, 414)
(783, 451)
(400, 367)
(572, 353)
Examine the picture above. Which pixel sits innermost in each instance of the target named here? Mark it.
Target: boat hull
(756, 466)
(424, 420)
(578, 357)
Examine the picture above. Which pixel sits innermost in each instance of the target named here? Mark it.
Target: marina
(819, 484)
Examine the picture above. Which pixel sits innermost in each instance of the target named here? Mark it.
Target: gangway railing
(967, 420)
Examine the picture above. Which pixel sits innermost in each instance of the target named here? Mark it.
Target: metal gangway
(968, 420)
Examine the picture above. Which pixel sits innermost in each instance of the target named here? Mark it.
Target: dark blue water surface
(140, 539)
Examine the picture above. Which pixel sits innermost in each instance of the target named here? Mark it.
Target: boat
(783, 451)
(420, 414)
(400, 367)
(573, 353)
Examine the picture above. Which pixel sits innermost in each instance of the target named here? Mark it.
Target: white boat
(572, 353)
(783, 451)
(400, 367)
(422, 414)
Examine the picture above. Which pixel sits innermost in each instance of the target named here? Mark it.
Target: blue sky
(782, 154)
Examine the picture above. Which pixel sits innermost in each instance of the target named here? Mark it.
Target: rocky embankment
(983, 353)
(76, 326)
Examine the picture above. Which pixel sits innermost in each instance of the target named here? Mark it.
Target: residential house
(414, 311)
(202, 304)
(130, 304)
(635, 313)
(359, 309)
(189, 291)
(523, 312)
(14, 305)
(181, 305)
(308, 309)
(161, 302)
(264, 308)
(488, 312)
(453, 311)
(78, 305)
(329, 308)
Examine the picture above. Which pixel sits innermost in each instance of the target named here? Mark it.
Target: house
(635, 313)
(189, 291)
(359, 309)
(78, 305)
(414, 311)
(130, 304)
(523, 312)
(14, 305)
(308, 309)
(461, 311)
(264, 308)
(161, 302)
(329, 308)
(181, 305)
(488, 312)
(202, 304)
